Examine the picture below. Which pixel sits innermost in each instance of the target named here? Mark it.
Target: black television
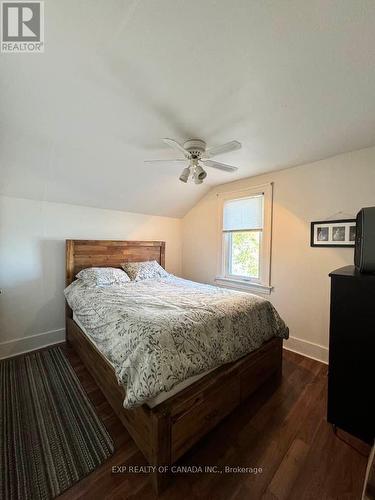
(364, 252)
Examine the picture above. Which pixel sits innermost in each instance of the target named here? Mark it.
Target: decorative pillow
(103, 276)
(148, 270)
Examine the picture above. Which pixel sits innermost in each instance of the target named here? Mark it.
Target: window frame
(263, 283)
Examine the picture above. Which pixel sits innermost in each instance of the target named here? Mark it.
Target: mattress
(163, 334)
(163, 396)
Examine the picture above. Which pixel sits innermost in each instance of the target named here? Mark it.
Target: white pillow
(103, 276)
(148, 270)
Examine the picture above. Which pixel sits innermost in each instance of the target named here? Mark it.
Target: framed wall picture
(333, 233)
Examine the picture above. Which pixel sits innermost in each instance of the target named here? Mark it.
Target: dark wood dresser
(351, 376)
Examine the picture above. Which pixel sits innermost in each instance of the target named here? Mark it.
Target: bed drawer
(190, 425)
(261, 369)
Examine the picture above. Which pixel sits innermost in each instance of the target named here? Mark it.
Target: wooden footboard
(165, 432)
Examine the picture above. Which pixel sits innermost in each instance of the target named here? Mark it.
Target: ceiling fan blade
(165, 161)
(219, 166)
(176, 145)
(224, 148)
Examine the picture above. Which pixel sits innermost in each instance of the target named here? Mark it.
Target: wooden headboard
(109, 253)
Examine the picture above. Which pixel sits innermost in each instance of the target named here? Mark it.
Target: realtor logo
(22, 27)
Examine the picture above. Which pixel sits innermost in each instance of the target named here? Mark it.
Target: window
(242, 234)
(245, 234)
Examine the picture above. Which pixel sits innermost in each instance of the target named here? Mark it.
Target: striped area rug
(50, 435)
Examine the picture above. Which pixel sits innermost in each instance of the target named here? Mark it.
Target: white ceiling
(294, 81)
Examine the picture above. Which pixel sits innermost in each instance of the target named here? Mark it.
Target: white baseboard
(14, 347)
(308, 349)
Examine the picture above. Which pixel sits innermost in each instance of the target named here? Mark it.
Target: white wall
(299, 273)
(32, 261)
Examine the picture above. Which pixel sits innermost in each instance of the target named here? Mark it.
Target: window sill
(243, 285)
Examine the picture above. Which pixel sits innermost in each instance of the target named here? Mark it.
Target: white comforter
(158, 333)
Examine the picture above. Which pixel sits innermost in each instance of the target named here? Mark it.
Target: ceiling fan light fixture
(200, 173)
(185, 174)
(195, 151)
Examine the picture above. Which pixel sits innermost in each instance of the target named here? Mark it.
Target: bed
(167, 426)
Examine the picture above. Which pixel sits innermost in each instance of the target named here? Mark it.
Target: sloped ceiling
(294, 81)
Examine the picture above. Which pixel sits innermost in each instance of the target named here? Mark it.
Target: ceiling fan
(197, 154)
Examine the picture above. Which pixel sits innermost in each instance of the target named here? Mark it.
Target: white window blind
(243, 214)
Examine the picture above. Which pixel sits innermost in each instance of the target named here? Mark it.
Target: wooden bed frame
(165, 432)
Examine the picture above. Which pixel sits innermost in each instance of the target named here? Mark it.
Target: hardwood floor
(283, 432)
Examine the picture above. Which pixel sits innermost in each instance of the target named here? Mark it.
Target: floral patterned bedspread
(158, 333)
